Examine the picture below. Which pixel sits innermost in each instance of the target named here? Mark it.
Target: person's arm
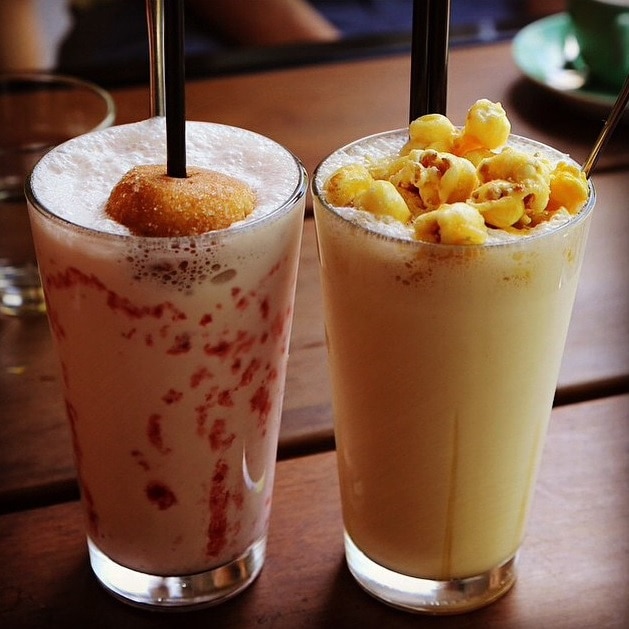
(265, 22)
(21, 44)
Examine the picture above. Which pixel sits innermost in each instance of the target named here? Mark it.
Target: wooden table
(574, 568)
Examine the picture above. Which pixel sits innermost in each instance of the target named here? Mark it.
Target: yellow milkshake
(444, 360)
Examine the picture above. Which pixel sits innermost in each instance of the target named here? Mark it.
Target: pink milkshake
(173, 353)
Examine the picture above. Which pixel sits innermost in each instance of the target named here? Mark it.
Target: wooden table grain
(313, 110)
(573, 568)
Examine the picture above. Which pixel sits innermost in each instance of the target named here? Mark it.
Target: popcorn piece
(413, 200)
(478, 155)
(531, 171)
(432, 131)
(383, 198)
(501, 203)
(456, 224)
(346, 184)
(434, 177)
(486, 126)
(445, 178)
(568, 188)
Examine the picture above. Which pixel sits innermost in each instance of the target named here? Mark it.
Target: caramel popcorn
(457, 224)
(568, 188)
(454, 185)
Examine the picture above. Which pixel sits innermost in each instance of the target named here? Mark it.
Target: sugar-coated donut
(150, 203)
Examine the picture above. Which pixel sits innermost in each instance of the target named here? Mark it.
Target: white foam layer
(88, 167)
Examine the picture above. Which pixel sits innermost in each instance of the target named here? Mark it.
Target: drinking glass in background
(444, 361)
(174, 354)
(37, 112)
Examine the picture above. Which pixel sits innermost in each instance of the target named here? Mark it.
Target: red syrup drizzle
(249, 372)
(155, 435)
(140, 459)
(220, 495)
(219, 506)
(88, 500)
(220, 440)
(261, 404)
(90, 510)
(73, 277)
(157, 492)
(172, 396)
(181, 345)
(264, 308)
(73, 417)
(160, 495)
(225, 398)
(200, 375)
(55, 325)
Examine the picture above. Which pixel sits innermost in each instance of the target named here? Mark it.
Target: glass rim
(244, 225)
(572, 222)
(50, 78)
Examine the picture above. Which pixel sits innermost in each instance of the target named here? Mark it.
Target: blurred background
(106, 40)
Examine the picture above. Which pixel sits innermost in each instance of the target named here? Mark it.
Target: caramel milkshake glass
(173, 353)
(444, 361)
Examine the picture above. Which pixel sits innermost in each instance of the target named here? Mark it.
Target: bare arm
(265, 22)
(21, 45)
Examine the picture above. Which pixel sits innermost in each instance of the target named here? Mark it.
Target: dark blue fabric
(115, 33)
(365, 17)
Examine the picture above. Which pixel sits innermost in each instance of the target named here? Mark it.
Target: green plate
(539, 52)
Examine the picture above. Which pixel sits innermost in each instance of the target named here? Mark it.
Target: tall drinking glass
(37, 111)
(173, 353)
(444, 361)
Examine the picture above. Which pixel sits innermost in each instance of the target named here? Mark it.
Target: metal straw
(612, 121)
(155, 22)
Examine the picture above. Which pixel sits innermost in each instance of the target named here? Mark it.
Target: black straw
(175, 89)
(429, 57)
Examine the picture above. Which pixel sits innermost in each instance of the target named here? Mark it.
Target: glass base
(429, 596)
(185, 592)
(20, 291)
